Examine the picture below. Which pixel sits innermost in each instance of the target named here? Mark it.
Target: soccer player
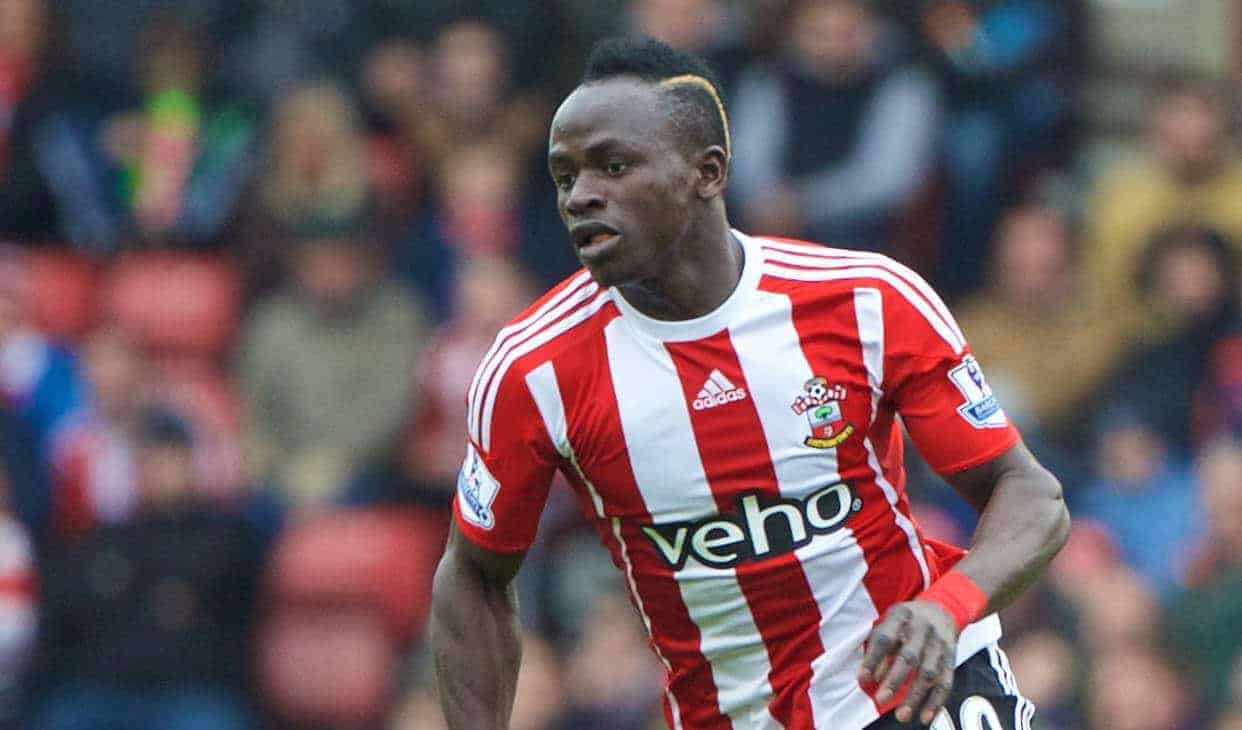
(725, 407)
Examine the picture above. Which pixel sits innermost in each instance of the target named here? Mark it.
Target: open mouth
(594, 238)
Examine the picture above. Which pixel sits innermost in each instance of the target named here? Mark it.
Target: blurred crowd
(254, 250)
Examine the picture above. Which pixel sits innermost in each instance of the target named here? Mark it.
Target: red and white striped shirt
(744, 469)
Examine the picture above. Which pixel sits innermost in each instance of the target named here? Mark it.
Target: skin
(621, 168)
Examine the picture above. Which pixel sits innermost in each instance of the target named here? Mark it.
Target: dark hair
(1184, 236)
(161, 426)
(696, 104)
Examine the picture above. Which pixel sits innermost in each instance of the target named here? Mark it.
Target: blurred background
(253, 249)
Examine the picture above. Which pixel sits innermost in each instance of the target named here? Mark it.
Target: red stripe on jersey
(654, 590)
(776, 589)
(837, 258)
(559, 303)
(893, 573)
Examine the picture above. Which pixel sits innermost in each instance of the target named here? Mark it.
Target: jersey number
(976, 714)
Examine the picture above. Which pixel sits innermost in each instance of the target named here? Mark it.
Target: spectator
(183, 154)
(1038, 313)
(1188, 283)
(17, 606)
(1047, 665)
(613, 678)
(490, 291)
(316, 171)
(327, 368)
(472, 97)
(38, 380)
(834, 140)
(483, 208)
(93, 464)
(1008, 70)
(1189, 173)
(1146, 497)
(1135, 688)
(51, 178)
(93, 469)
(145, 625)
(708, 28)
(1205, 618)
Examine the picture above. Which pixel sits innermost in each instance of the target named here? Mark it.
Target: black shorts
(984, 697)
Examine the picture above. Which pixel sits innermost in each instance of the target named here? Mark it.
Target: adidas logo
(717, 391)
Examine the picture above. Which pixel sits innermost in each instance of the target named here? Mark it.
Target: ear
(712, 171)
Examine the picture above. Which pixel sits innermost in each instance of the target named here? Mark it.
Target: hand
(918, 636)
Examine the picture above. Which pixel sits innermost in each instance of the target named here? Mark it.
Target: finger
(928, 673)
(936, 698)
(907, 658)
(881, 644)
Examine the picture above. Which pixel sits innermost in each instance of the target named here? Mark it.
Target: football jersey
(743, 469)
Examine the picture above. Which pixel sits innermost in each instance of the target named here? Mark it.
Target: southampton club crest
(822, 405)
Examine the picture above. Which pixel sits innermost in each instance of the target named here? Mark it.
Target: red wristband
(958, 595)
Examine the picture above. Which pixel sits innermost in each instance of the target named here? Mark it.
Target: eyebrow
(596, 148)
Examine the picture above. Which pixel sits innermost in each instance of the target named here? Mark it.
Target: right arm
(474, 634)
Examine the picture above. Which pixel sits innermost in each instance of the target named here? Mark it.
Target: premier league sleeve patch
(476, 490)
(980, 409)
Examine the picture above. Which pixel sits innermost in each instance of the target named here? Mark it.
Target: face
(469, 64)
(1190, 282)
(115, 371)
(1031, 254)
(165, 474)
(332, 273)
(625, 189)
(1189, 133)
(834, 37)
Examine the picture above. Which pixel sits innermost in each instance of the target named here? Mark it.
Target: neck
(698, 277)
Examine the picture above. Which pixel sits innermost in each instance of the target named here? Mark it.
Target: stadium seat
(64, 287)
(346, 592)
(175, 303)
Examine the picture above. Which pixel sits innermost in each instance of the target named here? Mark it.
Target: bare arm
(474, 635)
(1023, 523)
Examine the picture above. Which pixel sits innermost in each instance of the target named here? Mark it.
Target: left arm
(937, 387)
(1023, 523)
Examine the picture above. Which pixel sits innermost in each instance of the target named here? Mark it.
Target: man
(146, 624)
(724, 407)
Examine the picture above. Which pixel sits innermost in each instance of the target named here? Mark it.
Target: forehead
(624, 110)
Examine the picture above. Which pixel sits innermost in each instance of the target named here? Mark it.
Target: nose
(583, 197)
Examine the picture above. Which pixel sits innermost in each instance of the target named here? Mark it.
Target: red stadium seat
(346, 592)
(63, 293)
(175, 303)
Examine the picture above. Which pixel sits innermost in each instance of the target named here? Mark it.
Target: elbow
(1058, 516)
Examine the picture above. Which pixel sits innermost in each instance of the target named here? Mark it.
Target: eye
(563, 182)
(616, 168)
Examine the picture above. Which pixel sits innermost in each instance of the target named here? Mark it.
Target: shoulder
(811, 271)
(826, 268)
(554, 324)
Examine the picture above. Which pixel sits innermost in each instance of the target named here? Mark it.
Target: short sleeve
(936, 384)
(509, 465)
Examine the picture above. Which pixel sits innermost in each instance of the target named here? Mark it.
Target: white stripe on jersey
(580, 290)
(907, 274)
(834, 564)
(537, 338)
(721, 382)
(546, 392)
(826, 271)
(869, 312)
(646, 382)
